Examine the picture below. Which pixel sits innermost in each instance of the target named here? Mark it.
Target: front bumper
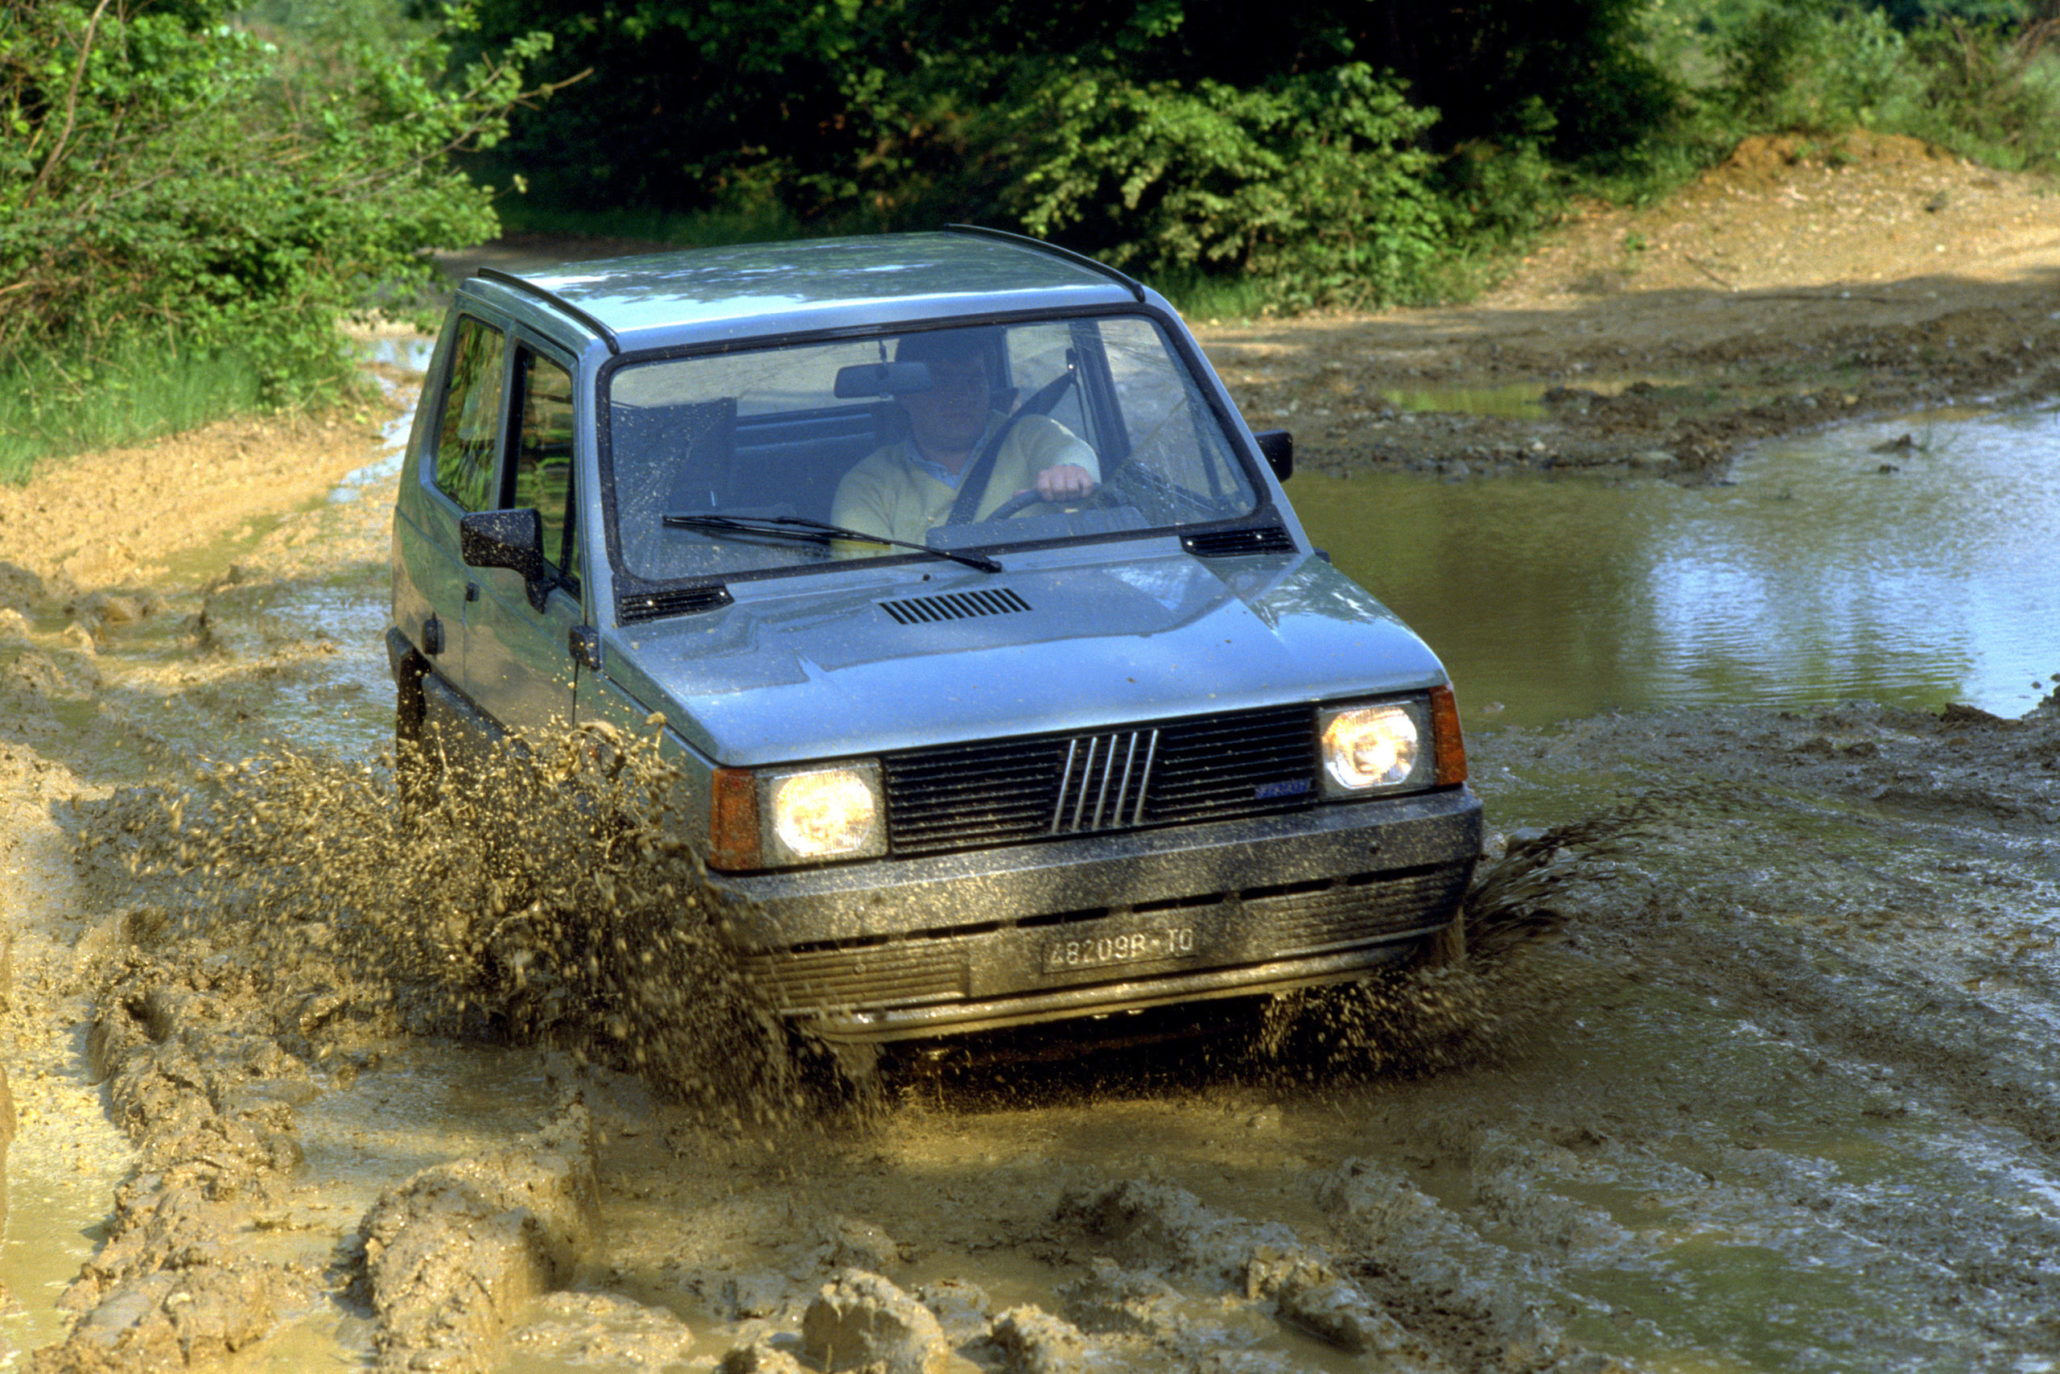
(892, 949)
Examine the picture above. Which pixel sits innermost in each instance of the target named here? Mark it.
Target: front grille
(903, 973)
(992, 792)
(1318, 917)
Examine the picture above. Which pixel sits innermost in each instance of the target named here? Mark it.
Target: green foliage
(166, 178)
(137, 389)
(1989, 93)
(1816, 66)
(1979, 77)
(1314, 185)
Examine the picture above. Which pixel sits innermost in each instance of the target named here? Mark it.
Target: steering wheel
(1023, 500)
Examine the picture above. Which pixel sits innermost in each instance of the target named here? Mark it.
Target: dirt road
(1751, 1069)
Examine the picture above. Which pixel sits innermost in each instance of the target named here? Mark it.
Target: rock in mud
(1146, 1224)
(1331, 1309)
(849, 1244)
(762, 1357)
(961, 1308)
(1154, 1225)
(1113, 1300)
(1032, 1341)
(452, 1254)
(862, 1321)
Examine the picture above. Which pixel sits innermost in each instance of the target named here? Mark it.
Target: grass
(140, 392)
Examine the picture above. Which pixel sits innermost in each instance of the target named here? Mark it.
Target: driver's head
(949, 417)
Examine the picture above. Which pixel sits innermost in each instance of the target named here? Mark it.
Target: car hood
(829, 670)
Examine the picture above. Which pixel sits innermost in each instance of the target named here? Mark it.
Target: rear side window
(543, 456)
(467, 443)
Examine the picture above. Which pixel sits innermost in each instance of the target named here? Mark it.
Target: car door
(459, 473)
(519, 664)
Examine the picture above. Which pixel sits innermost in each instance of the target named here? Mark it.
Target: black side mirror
(1279, 447)
(507, 539)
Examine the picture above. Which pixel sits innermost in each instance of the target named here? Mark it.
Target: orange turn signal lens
(733, 820)
(1447, 740)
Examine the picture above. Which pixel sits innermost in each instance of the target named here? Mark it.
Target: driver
(903, 489)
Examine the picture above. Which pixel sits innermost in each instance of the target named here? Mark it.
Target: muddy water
(1906, 561)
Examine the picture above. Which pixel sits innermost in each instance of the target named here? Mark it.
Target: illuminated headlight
(1375, 747)
(825, 815)
(775, 818)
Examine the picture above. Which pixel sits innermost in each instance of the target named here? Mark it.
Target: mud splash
(540, 895)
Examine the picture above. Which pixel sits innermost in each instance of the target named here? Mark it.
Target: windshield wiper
(816, 532)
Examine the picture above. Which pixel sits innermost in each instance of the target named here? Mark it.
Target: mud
(1748, 1067)
(450, 1256)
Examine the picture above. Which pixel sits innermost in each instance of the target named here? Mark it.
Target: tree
(163, 176)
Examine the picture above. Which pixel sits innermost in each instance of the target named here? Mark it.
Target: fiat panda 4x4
(1002, 678)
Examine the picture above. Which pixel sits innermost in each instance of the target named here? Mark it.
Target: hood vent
(924, 610)
(1236, 543)
(632, 607)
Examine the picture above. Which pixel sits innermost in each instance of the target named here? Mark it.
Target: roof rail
(546, 294)
(1135, 287)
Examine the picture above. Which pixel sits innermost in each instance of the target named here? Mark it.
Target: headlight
(1366, 747)
(824, 815)
(776, 818)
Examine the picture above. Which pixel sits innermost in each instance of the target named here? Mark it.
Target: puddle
(375, 480)
(1816, 577)
(410, 353)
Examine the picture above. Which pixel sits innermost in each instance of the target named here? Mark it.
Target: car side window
(543, 457)
(468, 440)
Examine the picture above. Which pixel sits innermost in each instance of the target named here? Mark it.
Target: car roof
(706, 295)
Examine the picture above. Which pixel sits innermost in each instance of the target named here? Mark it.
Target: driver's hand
(1064, 480)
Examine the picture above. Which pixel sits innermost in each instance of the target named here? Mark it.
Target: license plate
(1133, 947)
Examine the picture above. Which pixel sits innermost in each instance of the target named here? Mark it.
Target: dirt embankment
(1750, 1070)
(1795, 285)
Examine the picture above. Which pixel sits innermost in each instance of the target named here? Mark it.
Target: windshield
(968, 438)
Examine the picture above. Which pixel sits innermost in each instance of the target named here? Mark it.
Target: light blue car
(1004, 681)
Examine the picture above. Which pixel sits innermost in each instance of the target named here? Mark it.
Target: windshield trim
(1244, 451)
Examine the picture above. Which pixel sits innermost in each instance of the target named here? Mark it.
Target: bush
(1968, 76)
(1814, 66)
(165, 178)
(1313, 184)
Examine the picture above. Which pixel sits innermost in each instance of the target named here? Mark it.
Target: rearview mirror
(881, 379)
